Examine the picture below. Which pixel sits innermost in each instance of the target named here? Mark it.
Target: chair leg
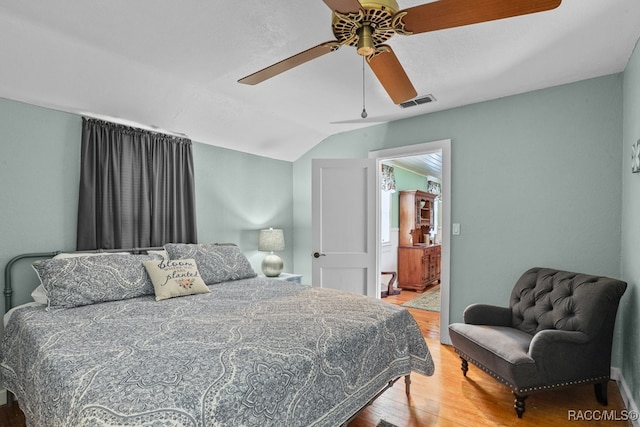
(518, 404)
(465, 366)
(601, 393)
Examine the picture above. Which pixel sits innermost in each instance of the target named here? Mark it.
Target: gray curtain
(136, 188)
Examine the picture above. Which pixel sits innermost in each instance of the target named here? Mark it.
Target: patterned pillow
(79, 254)
(161, 253)
(216, 263)
(175, 278)
(39, 294)
(84, 280)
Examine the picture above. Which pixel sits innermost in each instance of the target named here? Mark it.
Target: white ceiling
(174, 65)
(427, 164)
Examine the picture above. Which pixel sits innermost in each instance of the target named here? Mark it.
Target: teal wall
(39, 172)
(629, 320)
(237, 194)
(535, 181)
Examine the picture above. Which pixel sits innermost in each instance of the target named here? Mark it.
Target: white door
(344, 225)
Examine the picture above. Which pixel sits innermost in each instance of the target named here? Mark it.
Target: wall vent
(418, 101)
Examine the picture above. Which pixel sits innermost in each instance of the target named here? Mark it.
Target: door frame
(412, 150)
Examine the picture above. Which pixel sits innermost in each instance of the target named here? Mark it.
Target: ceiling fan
(368, 24)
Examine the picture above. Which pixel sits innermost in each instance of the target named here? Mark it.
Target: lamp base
(272, 265)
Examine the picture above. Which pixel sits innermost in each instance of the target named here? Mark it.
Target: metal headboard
(8, 285)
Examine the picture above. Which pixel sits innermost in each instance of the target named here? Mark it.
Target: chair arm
(553, 341)
(484, 314)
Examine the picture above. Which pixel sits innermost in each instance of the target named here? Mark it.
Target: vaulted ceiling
(174, 65)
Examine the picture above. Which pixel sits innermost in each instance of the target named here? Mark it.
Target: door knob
(317, 254)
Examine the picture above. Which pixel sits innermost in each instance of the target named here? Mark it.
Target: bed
(245, 351)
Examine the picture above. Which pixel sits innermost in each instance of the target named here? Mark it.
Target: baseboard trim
(627, 398)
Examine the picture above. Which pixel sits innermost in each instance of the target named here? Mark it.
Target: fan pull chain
(364, 110)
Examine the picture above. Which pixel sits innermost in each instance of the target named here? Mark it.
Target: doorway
(439, 150)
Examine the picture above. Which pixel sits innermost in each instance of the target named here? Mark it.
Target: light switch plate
(455, 229)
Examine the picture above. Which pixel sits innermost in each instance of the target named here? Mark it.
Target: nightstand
(289, 277)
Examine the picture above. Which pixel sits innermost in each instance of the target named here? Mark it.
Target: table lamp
(271, 240)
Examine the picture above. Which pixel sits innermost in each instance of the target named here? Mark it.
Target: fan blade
(394, 79)
(455, 13)
(289, 63)
(343, 6)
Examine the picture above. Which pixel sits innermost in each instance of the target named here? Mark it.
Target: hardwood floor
(11, 416)
(449, 399)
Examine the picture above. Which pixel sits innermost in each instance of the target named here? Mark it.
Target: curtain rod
(131, 123)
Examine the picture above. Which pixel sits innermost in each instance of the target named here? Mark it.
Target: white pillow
(39, 295)
(175, 278)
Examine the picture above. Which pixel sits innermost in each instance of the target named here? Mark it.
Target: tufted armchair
(556, 332)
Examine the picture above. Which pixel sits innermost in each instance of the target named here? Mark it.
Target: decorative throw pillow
(175, 278)
(39, 294)
(216, 263)
(161, 253)
(84, 280)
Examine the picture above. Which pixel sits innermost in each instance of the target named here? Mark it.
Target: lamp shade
(271, 240)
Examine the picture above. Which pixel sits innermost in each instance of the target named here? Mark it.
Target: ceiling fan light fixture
(368, 24)
(365, 41)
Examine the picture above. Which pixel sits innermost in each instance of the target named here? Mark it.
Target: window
(385, 217)
(387, 188)
(136, 188)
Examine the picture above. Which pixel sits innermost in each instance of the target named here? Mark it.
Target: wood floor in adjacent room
(449, 399)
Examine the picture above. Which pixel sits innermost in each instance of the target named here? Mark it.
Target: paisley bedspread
(253, 352)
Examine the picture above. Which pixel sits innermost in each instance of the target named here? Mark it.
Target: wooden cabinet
(418, 260)
(418, 266)
(416, 217)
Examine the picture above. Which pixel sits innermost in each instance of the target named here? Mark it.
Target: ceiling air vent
(418, 101)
